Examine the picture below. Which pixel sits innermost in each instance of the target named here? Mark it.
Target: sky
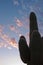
(14, 22)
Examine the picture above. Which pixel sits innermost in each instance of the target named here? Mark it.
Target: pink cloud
(12, 28)
(1, 44)
(24, 23)
(1, 28)
(5, 37)
(11, 42)
(19, 23)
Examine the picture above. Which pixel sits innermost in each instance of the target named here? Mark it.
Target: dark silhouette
(33, 23)
(32, 55)
(24, 50)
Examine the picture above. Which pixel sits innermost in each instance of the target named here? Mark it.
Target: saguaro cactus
(32, 55)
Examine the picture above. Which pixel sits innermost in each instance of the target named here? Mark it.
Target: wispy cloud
(1, 44)
(24, 23)
(1, 28)
(9, 47)
(27, 23)
(12, 28)
(5, 37)
(20, 35)
(19, 23)
(16, 2)
(23, 5)
(11, 42)
(5, 45)
(31, 8)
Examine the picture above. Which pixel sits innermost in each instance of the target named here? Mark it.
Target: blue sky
(14, 22)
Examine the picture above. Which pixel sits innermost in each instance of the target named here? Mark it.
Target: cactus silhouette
(32, 55)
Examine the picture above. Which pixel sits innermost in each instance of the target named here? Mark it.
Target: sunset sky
(14, 22)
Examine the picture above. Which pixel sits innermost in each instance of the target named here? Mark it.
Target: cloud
(27, 23)
(12, 28)
(20, 35)
(5, 37)
(9, 47)
(23, 5)
(19, 23)
(24, 23)
(1, 28)
(1, 44)
(14, 43)
(11, 42)
(16, 2)
(5, 45)
(31, 8)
